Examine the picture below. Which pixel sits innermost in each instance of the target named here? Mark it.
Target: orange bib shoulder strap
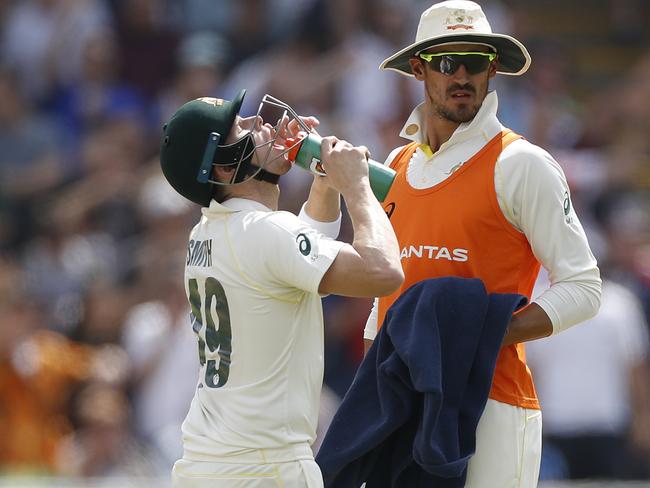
(508, 136)
(404, 155)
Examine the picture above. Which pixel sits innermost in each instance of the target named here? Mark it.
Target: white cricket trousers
(508, 448)
(290, 467)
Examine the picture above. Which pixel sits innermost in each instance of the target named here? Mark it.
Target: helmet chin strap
(264, 175)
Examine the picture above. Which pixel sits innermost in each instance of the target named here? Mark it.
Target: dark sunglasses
(448, 63)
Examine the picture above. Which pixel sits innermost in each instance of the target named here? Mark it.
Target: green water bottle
(306, 154)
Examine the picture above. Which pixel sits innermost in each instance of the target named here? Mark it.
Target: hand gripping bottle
(305, 152)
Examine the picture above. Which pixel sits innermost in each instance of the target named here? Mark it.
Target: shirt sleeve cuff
(329, 229)
(569, 303)
(551, 312)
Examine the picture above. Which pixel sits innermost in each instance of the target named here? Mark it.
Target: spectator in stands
(44, 39)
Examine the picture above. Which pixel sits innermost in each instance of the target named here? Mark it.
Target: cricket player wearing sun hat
(473, 199)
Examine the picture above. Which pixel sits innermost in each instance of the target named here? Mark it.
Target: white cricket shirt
(252, 277)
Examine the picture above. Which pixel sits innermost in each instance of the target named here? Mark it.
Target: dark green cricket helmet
(194, 141)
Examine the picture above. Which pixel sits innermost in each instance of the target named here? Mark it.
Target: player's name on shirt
(199, 253)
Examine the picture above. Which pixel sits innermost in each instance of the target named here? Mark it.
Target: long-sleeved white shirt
(534, 197)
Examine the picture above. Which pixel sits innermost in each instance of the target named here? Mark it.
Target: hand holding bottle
(305, 151)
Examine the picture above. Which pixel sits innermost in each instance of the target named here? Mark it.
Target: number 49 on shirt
(214, 344)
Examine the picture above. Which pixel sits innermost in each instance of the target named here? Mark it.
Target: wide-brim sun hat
(460, 21)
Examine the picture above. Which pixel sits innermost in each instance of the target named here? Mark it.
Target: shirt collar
(485, 122)
(234, 205)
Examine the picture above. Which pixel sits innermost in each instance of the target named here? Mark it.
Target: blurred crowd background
(97, 358)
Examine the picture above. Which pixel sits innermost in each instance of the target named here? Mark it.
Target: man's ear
(223, 173)
(492, 70)
(417, 67)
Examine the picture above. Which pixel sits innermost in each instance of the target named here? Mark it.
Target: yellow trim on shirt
(426, 149)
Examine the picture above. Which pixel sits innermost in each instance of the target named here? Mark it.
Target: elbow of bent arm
(351, 276)
(571, 302)
(388, 280)
(591, 297)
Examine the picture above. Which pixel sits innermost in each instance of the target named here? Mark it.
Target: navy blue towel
(409, 418)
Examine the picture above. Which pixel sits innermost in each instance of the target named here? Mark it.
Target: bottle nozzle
(294, 144)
